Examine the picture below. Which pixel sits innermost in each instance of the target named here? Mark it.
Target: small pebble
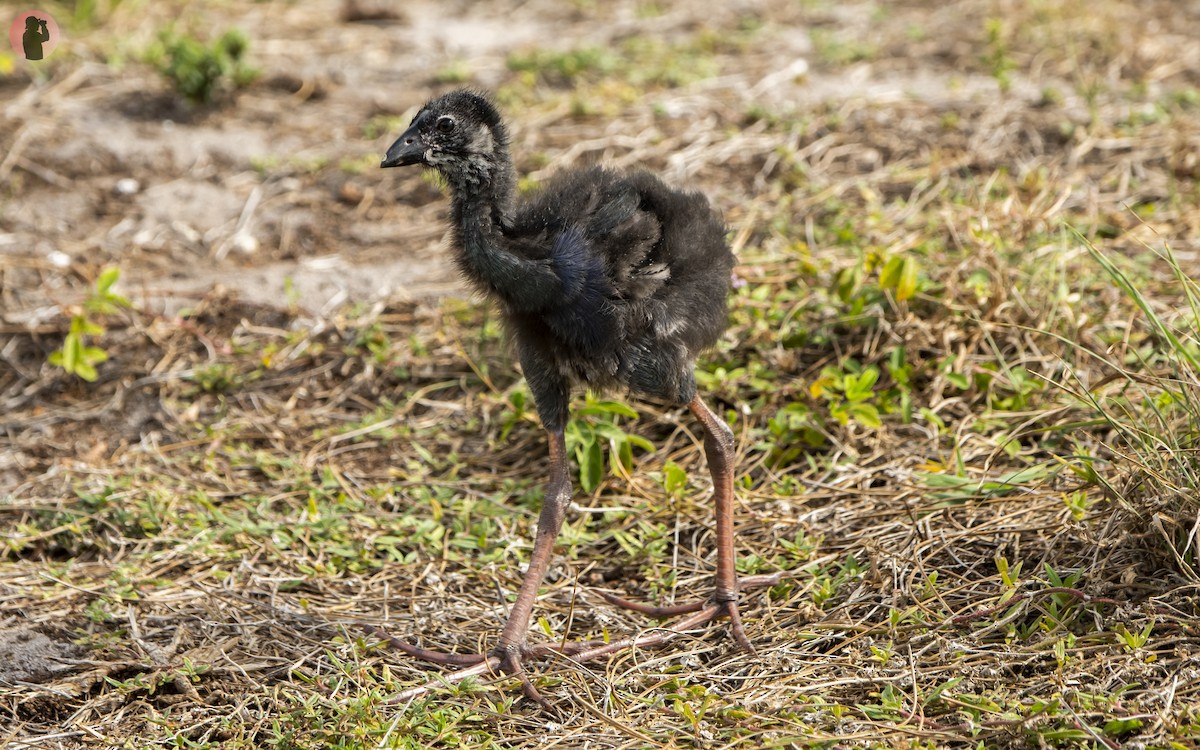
(127, 186)
(350, 193)
(245, 243)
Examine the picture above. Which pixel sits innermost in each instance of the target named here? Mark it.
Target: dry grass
(991, 544)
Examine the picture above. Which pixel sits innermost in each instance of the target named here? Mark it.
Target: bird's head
(459, 134)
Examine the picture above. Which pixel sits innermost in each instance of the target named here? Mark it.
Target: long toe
(510, 664)
(503, 660)
(735, 626)
(652, 610)
(713, 608)
(436, 657)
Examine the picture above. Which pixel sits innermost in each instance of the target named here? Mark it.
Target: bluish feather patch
(585, 315)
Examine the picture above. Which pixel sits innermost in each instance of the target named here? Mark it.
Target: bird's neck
(479, 212)
(480, 209)
(482, 193)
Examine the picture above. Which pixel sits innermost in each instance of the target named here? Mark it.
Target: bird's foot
(503, 660)
(509, 660)
(713, 609)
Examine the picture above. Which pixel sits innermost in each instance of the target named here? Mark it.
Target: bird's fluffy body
(606, 278)
(638, 303)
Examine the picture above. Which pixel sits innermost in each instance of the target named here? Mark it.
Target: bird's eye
(445, 124)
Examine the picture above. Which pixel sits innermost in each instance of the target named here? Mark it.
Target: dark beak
(408, 149)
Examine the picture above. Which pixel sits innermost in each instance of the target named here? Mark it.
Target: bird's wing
(627, 236)
(600, 230)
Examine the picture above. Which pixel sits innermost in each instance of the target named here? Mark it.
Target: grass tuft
(1151, 405)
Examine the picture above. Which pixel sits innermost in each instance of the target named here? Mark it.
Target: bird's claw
(503, 660)
(719, 606)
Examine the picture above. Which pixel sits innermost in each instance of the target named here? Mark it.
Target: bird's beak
(408, 149)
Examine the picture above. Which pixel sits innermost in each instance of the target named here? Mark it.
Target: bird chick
(606, 279)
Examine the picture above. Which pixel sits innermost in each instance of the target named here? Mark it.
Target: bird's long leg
(718, 448)
(718, 451)
(550, 520)
(506, 656)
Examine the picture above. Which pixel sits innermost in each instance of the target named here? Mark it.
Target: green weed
(997, 57)
(593, 425)
(849, 391)
(76, 356)
(201, 72)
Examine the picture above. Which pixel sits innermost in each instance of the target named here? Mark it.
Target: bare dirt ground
(300, 427)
